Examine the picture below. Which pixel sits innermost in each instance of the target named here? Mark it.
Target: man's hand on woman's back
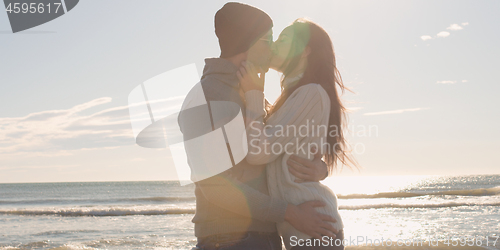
(306, 219)
(308, 170)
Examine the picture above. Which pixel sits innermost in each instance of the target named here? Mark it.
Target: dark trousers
(336, 244)
(240, 241)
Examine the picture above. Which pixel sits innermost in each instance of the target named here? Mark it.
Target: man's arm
(230, 194)
(308, 170)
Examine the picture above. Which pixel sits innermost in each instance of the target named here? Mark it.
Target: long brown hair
(322, 69)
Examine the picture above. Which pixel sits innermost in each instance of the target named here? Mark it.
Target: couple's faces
(261, 52)
(281, 49)
(267, 54)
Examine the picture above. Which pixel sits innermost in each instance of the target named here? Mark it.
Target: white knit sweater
(308, 107)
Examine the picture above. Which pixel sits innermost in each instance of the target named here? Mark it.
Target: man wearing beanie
(235, 211)
(239, 26)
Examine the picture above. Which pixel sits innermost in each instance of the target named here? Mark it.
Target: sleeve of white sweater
(301, 108)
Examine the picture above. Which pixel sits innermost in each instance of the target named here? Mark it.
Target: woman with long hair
(308, 114)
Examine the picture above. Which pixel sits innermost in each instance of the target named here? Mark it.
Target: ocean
(157, 214)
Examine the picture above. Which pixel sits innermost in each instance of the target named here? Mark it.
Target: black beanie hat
(238, 26)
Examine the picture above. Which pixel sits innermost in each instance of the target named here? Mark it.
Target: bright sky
(424, 74)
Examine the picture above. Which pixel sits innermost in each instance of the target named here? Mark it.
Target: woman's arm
(284, 129)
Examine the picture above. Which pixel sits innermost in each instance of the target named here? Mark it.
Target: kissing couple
(273, 197)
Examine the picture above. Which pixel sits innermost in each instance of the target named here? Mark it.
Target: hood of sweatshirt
(222, 70)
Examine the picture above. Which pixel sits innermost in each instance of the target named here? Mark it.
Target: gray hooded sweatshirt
(225, 204)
